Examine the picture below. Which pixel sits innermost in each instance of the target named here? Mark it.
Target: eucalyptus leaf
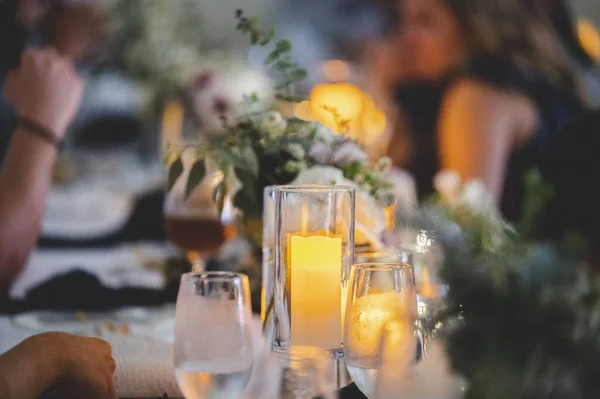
(283, 46)
(268, 37)
(272, 57)
(175, 170)
(283, 84)
(284, 64)
(248, 182)
(250, 160)
(245, 199)
(297, 74)
(197, 174)
(253, 23)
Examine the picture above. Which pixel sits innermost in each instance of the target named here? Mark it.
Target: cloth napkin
(81, 291)
(144, 367)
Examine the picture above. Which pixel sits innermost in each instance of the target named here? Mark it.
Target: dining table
(103, 268)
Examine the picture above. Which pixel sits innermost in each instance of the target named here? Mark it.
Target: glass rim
(381, 266)
(391, 251)
(215, 276)
(315, 188)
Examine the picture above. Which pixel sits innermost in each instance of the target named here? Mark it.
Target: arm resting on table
(25, 179)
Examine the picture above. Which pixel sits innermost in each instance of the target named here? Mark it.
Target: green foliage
(537, 196)
(279, 57)
(175, 170)
(197, 174)
(529, 309)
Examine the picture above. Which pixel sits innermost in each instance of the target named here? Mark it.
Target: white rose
(476, 197)
(448, 184)
(273, 124)
(320, 175)
(347, 153)
(324, 134)
(384, 164)
(296, 150)
(369, 214)
(294, 166)
(404, 188)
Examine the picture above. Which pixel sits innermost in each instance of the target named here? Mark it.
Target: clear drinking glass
(314, 243)
(299, 372)
(213, 352)
(201, 223)
(403, 256)
(394, 360)
(379, 293)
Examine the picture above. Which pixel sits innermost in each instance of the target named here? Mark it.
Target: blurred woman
(482, 84)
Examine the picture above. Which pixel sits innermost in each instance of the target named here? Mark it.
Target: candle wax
(315, 291)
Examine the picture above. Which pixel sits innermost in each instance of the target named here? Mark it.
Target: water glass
(379, 293)
(432, 378)
(213, 352)
(394, 360)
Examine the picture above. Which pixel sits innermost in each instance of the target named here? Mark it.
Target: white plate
(84, 212)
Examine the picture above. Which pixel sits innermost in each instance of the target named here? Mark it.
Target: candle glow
(315, 271)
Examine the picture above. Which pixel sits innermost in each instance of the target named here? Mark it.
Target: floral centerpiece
(260, 148)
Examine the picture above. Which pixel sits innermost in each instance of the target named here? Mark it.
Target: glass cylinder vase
(268, 262)
(314, 250)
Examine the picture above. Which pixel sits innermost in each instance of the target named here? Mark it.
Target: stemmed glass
(213, 352)
(298, 372)
(379, 293)
(198, 224)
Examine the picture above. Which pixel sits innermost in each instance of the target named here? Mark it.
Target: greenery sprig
(279, 58)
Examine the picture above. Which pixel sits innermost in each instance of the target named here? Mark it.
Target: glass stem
(196, 260)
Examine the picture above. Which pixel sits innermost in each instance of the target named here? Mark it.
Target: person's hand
(46, 89)
(85, 365)
(76, 30)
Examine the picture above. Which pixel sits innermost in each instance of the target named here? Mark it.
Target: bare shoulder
(480, 103)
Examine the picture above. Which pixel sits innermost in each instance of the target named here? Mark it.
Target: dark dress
(571, 166)
(421, 103)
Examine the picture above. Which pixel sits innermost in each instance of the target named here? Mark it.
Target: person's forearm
(25, 178)
(29, 369)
